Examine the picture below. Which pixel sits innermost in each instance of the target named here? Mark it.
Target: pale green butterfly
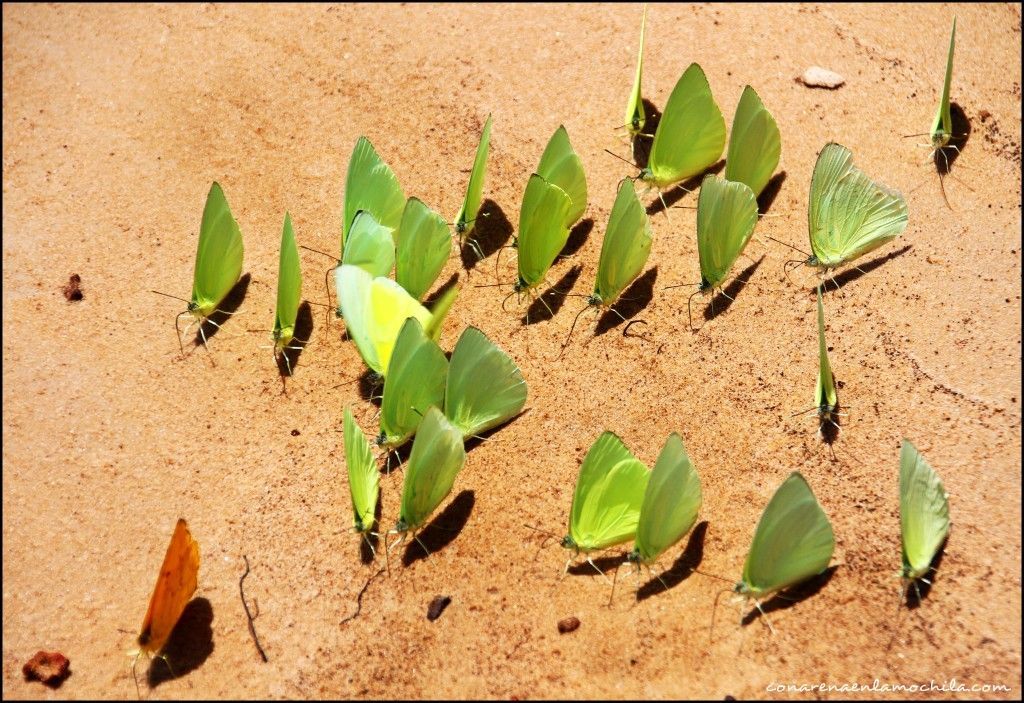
(375, 310)
(370, 245)
(726, 217)
(423, 248)
(606, 503)
(543, 231)
(465, 221)
(849, 215)
(363, 476)
(691, 134)
(793, 542)
(415, 381)
(635, 117)
(626, 246)
(754, 144)
(826, 400)
(218, 262)
(289, 293)
(942, 126)
(560, 166)
(485, 388)
(436, 459)
(671, 502)
(924, 514)
(371, 186)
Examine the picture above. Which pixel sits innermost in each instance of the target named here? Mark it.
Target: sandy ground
(117, 119)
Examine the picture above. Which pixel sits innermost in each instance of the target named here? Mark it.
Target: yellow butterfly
(175, 585)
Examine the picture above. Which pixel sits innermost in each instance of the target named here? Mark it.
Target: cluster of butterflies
(443, 402)
(617, 500)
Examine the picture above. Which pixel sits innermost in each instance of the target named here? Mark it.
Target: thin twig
(252, 628)
(359, 598)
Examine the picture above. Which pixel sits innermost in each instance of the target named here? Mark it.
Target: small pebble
(49, 667)
(817, 77)
(295, 433)
(437, 607)
(568, 624)
(73, 290)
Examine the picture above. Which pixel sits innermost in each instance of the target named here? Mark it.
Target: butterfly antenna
(899, 613)
(573, 327)
(714, 611)
(505, 299)
(922, 134)
(786, 244)
(689, 310)
(387, 553)
(614, 580)
(621, 158)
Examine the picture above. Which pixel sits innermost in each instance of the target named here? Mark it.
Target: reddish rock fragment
(73, 290)
(437, 607)
(568, 624)
(49, 667)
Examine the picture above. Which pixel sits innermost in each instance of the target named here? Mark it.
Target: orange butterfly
(175, 585)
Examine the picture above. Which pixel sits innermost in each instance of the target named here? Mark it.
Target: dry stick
(252, 628)
(359, 598)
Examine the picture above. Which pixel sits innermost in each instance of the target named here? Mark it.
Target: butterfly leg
(765, 616)
(419, 542)
(603, 574)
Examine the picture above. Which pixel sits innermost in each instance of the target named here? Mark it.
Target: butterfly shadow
(771, 191)
(369, 542)
(225, 309)
(476, 440)
(723, 299)
(829, 429)
(289, 357)
(190, 644)
(852, 274)
(491, 232)
(683, 567)
(606, 564)
(547, 305)
(676, 193)
(916, 594)
(578, 236)
(442, 530)
(631, 303)
(371, 386)
(786, 599)
(641, 145)
(452, 281)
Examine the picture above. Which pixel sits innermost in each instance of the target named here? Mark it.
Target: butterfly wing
(726, 217)
(436, 459)
(626, 246)
(691, 134)
(289, 285)
(942, 127)
(560, 166)
(219, 256)
(754, 145)
(825, 397)
(370, 245)
(423, 248)
(363, 477)
(542, 229)
(924, 512)
(179, 576)
(465, 221)
(608, 496)
(415, 381)
(371, 185)
(793, 542)
(485, 387)
(635, 117)
(671, 501)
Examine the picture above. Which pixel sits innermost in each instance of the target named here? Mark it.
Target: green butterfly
(485, 388)
(560, 166)
(422, 250)
(755, 144)
(218, 263)
(726, 217)
(289, 294)
(849, 214)
(369, 245)
(671, 502)
(793, 542)
(375, 310)
(363, 477)
(606, 504)
(371, 186)
(415, 381)
(436, 459)
(543, 231)
(942, 126)
(924, 515)
(691, 134)
(635, 117)
(826, 401)
(626, 246)
(465, 221)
